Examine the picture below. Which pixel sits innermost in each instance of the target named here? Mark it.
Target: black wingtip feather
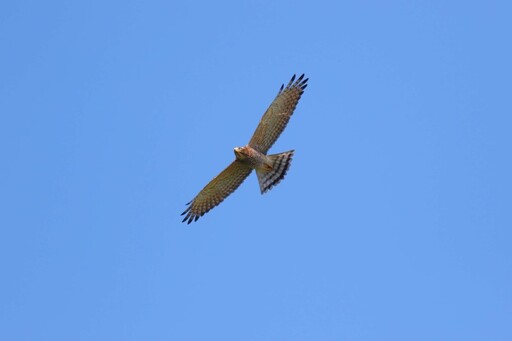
(293, 78)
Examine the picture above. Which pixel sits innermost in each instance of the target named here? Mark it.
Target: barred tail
(280, 164)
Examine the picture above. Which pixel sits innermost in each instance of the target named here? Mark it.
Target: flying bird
(270, 169)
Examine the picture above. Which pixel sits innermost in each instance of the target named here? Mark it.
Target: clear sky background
(393, 223)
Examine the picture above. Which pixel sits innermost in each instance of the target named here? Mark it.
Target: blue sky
(393, 223)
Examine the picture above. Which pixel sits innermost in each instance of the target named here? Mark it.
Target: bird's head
(241, 153)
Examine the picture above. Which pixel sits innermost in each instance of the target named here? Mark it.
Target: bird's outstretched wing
(278, 114)
(217, 190)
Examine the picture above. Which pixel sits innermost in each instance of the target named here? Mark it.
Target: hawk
(270, 169)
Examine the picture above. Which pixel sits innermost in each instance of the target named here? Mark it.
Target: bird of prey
(270, 169)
